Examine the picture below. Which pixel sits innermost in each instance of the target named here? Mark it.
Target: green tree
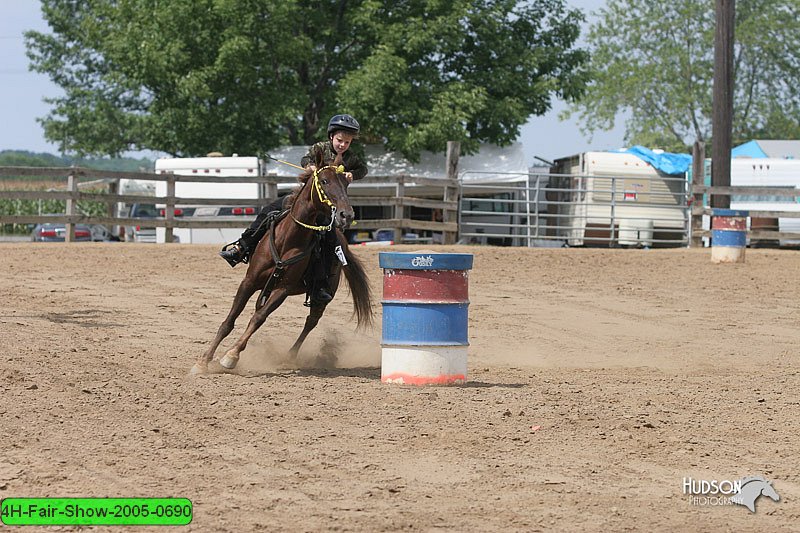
(191, 76)
(654, 63)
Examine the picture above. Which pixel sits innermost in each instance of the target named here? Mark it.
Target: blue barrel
(425, 317)
(728, 235)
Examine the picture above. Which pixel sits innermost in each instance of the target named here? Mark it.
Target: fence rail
(785, 226)
(76, 178)
(527, 210)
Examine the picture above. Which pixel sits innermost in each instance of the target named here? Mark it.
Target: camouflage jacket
(324, 151)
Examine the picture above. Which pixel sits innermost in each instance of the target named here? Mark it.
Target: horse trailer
(219, 167)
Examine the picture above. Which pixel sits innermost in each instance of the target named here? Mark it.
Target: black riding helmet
(344, 123)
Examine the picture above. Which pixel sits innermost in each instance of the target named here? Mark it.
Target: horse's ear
(320, 162)
(338, 161)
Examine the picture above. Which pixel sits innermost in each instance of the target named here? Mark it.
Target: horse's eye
(324, 181)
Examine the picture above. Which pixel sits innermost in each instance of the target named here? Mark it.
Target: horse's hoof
(199, 368)
(229, 361)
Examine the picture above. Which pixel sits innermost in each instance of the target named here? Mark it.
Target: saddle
(281, 264)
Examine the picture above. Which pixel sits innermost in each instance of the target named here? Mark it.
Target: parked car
(141, 233)
(102, 233)
(53, 232)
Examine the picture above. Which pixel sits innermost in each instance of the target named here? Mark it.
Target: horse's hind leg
(275, 300)
(243, 294)
(311, 322)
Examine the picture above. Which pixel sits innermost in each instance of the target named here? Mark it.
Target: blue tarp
(672, 164)
(748, 149)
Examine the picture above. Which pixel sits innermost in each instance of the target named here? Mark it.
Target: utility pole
(722, 113)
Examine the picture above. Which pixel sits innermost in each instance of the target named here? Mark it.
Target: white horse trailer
(768, 172)
(219, 167)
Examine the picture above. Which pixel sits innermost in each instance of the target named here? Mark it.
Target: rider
(342, 130)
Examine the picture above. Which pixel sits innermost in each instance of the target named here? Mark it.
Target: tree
(654, 62)
(191, 76)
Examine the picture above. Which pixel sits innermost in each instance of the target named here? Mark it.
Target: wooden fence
(758, 218)
(392, 193)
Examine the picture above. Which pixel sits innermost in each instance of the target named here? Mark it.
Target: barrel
(728, 235)
(425, 315)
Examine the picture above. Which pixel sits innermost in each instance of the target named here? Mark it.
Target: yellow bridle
(317, 186)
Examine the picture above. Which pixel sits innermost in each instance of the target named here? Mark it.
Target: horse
(279, 262)
(752, 488)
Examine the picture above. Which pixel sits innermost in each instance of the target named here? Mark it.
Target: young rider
(342, 130)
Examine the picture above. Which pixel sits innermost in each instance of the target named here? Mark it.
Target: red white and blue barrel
(728, 235)
(425, 313)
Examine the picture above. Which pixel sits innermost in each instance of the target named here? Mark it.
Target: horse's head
(751, 488)
(328, 186)
(769, 491)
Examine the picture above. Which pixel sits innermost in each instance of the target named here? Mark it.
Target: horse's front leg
(317, 309)
(243, 294)
(274, 301)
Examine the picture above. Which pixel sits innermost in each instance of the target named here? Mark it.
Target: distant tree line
(23, 158)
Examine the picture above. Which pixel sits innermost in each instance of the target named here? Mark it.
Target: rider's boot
(234, 253)
(322, 295)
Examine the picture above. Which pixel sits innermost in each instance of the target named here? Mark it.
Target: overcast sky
(22, 93)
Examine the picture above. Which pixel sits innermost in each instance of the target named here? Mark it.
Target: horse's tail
(358, 282)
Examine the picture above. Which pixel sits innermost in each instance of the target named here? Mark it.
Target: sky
(22, 93)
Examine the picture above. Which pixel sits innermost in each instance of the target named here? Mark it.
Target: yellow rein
(322, 198)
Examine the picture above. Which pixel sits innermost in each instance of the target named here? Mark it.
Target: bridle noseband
(317, 186)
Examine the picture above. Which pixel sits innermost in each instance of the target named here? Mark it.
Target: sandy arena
(598, 381)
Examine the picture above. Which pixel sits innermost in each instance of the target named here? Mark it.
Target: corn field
(40, 207)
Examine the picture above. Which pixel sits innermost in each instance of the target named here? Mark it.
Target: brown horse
(280, 261)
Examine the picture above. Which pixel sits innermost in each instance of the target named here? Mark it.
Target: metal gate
(553, 210)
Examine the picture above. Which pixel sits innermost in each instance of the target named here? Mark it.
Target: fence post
(400, 192)
(272, 190)
(113, 190)
(613, 210)
(451, 192)
(169, 211)
(698, 179)
(72, 188)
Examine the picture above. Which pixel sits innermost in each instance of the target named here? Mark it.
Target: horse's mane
(748, 479)
(302, 179)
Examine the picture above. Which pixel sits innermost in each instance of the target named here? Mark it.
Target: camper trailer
(616, 198)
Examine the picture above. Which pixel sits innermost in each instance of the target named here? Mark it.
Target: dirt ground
(598, 381)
